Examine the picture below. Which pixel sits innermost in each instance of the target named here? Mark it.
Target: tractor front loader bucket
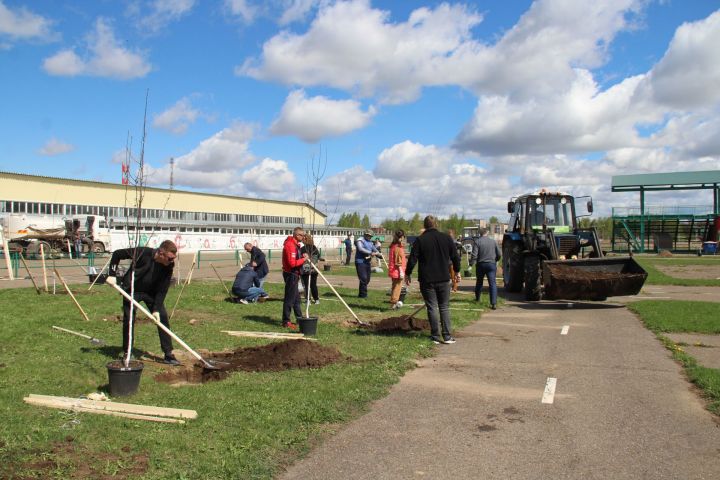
(592, 278)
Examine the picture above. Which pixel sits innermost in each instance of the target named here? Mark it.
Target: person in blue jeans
(348, 249)
(485, 255)
(364, 252)
(433, 251)
(247, 286)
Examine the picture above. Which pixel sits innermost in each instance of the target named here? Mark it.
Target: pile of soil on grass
(273, 357)
(399, 325)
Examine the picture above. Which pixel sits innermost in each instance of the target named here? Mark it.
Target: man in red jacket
(292, 262)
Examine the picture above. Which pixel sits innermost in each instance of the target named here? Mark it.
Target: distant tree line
(603, 225)
(411, 226)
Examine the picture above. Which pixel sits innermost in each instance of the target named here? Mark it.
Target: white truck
(26, 232)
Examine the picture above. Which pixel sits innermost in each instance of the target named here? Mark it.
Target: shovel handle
(220, 278)
(159, 324)
(67, 289)
(336, 293)
(74, 333)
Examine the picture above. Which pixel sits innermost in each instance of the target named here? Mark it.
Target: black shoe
(493, 307)
(171, 360)
(448, 340)
(435, 340)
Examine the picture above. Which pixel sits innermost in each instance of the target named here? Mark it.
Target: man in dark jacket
(348, 249)
(247, 286)
(433, 251)
(258, 262)
(152, 270)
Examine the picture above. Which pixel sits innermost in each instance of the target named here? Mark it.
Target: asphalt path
(621, 408)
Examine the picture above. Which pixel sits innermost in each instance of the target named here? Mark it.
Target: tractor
(546, 255)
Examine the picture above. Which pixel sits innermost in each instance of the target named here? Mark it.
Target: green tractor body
(546, 254)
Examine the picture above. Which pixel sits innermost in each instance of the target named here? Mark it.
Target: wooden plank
(117, 407)
(68, 406)
(276, 335)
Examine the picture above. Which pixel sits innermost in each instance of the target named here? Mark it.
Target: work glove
(157, 316)
(111, 280)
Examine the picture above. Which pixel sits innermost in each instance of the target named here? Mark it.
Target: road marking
(565, 329)
(549, 393)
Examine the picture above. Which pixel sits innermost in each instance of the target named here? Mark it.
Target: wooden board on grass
(86, 404)
(277, 335)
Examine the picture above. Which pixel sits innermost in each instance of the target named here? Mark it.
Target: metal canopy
(708, 179)
(701, 180)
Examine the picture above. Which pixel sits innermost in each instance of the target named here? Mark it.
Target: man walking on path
(257, 261)
(153, 270)
(485, 255)
(348, 249)
(364, 252)
(292, 262)
(433, 251)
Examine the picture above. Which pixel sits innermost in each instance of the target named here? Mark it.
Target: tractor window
(557, 212)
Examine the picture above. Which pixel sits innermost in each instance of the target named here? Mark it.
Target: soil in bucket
(308, 326)
(124, 380)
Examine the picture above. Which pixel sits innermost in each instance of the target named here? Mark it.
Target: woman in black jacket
(308, 272)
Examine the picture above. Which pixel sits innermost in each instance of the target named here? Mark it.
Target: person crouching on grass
(396, 268)
(153, 269)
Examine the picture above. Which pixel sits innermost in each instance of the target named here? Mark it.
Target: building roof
(707, 179)
(156, 189)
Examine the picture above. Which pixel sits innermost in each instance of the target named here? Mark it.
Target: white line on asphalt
(565, 329)
(549, 393)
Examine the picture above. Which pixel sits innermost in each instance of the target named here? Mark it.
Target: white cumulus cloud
(55, 147)
(104, 57)
(312, 119)
(23, 24)
(269, 177)
(162, 12)
(177, 118)
(408, 161)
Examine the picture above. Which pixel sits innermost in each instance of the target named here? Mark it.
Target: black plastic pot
(308, 326)
(124, 380)
(100, 278)
(327, 267)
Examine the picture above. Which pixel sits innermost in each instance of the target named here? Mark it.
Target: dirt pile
(273, 358)
(399, 325)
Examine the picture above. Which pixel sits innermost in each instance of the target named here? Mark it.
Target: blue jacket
(245, 278)
(363, 250)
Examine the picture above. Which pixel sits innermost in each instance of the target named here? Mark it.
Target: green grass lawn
(662, 316)
(656, 277)
(249, 425)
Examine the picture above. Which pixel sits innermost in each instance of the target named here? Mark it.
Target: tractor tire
(512, 267)
(98, 247)
(533, 278)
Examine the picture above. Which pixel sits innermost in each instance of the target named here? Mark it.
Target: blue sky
(427, 107)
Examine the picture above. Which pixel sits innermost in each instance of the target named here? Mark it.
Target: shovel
(93, 340)
(409, 317)
(144, 310)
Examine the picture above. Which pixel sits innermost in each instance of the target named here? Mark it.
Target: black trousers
(291, 300)
(165, 339)
(313, 285)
